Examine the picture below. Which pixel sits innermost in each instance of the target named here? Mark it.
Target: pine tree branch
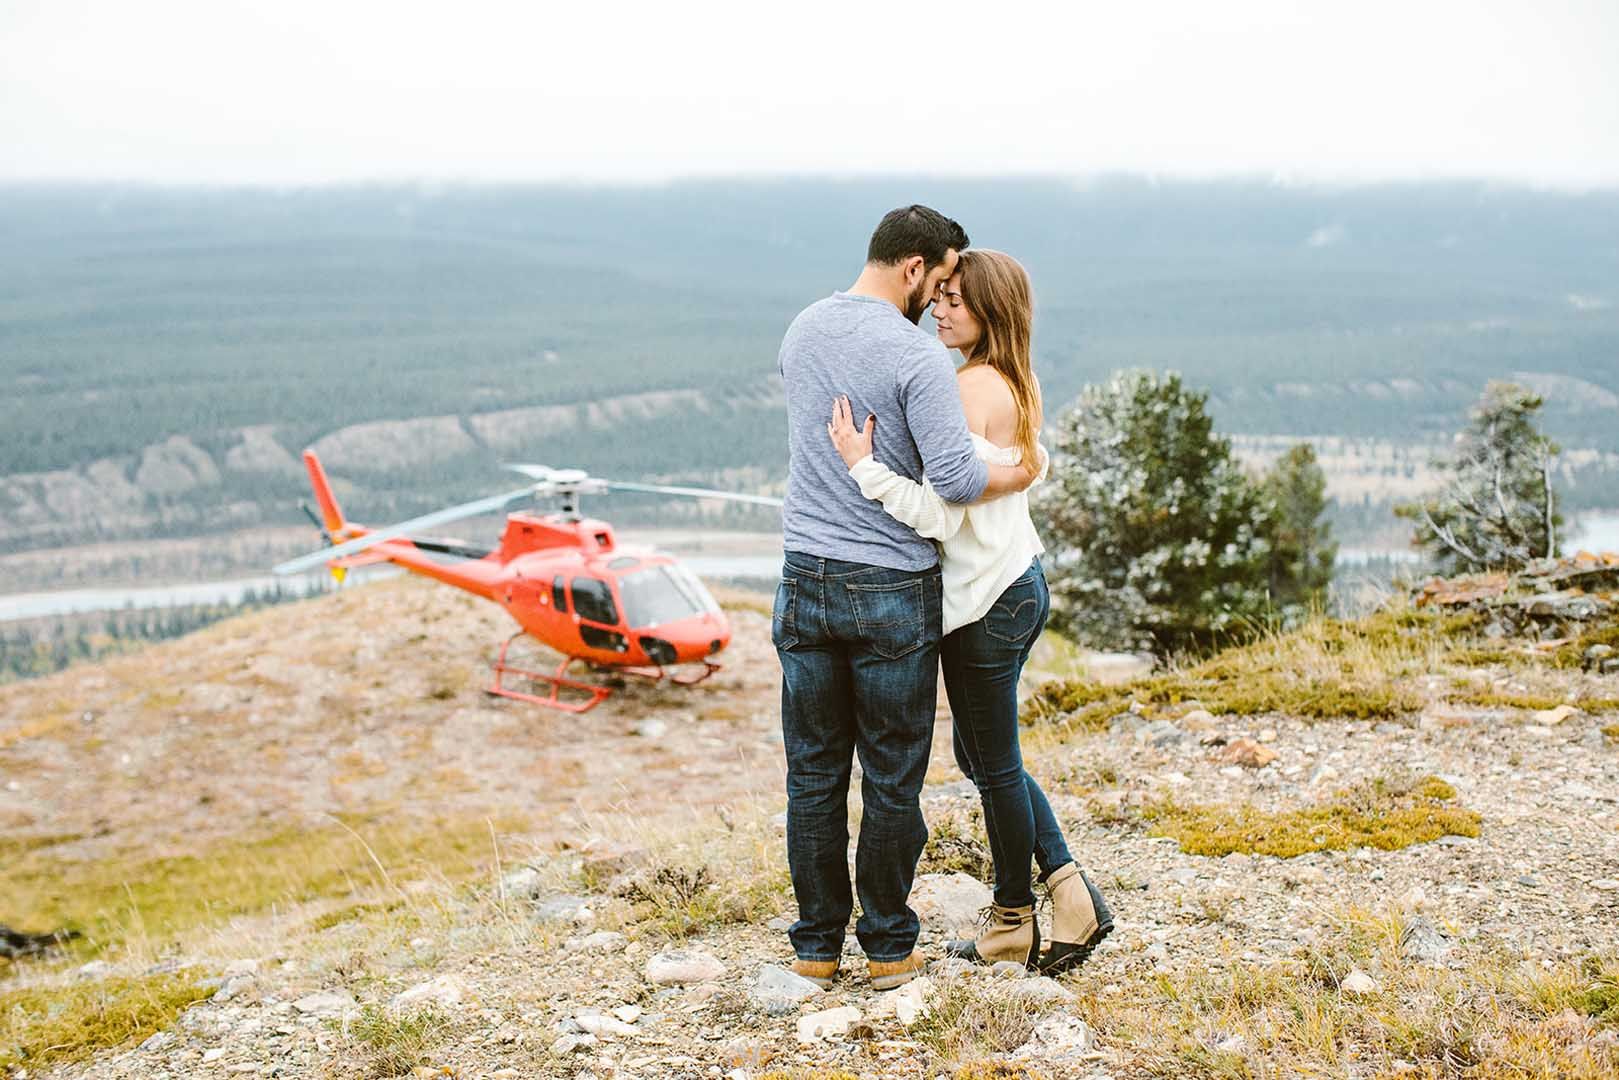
(1448, 538)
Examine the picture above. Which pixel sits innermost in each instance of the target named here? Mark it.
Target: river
(1592, 532)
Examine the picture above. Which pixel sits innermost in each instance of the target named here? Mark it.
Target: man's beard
(917, 302)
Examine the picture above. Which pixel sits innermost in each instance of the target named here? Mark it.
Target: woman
(995, 605)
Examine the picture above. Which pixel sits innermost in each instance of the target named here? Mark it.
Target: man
(857, 616)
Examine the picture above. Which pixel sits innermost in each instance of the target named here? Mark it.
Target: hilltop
(303, 843)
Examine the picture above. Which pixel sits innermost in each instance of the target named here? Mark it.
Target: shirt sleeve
(908, 502)
(938, 426)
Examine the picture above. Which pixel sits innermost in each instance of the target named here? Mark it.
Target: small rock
(326, 1004)
(568, 1044)
(241, 967)
(1322, 774)
(1231, 1044)
(1198, 720)
(650, 728)
(827, 1024)
(1267, 734)
(1553, 717)
(602, 941)
(1008, 969)
(949, 903)
(1249, 754)
(522, 883)
(1042, 990)
(560, 907)
(1304, 874)
(1413, 898)
(1158, 733)
(778, 991)
(233, 987)
(1451, 840)
(212, 1055)
(1388, 727)
(445, 992)
(1423, 942)
(598, 1025)
(1606, 884)
(910, 1002)
(158, 1040)
(95, 969)
(1359, 984)
(1529, 881)
(609, 862)
(1057, 1037)
(628, 1013)
(679, 966)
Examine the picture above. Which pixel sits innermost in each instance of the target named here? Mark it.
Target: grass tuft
(970, 1019)
(392, 1044)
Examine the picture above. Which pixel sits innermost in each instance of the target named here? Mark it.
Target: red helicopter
(563, 577)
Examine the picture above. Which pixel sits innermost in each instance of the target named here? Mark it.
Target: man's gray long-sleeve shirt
(863, 347)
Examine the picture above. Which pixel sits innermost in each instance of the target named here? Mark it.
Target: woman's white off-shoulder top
(983, 547)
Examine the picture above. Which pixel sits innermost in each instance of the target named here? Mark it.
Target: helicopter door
(593, 603)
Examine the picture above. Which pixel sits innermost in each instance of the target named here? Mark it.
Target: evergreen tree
(1302, 549)
(1157, 538)
(1498, 510)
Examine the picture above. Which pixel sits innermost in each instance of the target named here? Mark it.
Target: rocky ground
(625, 917)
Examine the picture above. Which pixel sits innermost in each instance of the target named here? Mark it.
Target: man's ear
(916, 268)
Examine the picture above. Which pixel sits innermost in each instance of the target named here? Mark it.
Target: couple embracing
(908, 542)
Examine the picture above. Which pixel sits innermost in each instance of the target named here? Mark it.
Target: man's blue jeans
(859, 649)
(982, 662)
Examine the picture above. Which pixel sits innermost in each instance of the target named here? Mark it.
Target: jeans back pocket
(892, 617)
(784, 615)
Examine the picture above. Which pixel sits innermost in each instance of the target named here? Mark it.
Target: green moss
(43, 1026)
(1600, 998)
(114, 898)
(1381, 815)
(1572, 655)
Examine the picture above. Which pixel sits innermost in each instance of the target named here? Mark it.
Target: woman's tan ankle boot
(1010, 933)
(1080, 919)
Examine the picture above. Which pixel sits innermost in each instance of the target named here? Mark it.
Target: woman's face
(958, 328)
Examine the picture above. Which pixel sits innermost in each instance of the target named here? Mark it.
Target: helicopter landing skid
(557, 681)
(657, 674)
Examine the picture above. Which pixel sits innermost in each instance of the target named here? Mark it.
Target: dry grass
(1379, 667)
(383, 1043)
(1489, 1015)
(134, 901)
(971, 1019)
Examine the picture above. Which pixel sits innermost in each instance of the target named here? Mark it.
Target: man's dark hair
(915, 230)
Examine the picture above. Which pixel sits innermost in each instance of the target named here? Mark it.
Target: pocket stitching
(1012, 617)
(916, 625)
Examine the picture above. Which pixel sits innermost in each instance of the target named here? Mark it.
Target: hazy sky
(292, 91)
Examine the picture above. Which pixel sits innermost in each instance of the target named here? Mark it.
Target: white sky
(292, 91)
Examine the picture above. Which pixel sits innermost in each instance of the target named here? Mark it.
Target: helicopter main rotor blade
(492, 504)
(547, 475)
(694, 493)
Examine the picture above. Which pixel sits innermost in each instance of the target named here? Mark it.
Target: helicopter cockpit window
(593, 600)
(659, 595)
(559, 594)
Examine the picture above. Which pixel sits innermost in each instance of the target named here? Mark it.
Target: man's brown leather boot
(888, 975)
(819, 972)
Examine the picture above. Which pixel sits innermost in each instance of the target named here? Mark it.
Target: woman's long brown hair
(995, 288)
